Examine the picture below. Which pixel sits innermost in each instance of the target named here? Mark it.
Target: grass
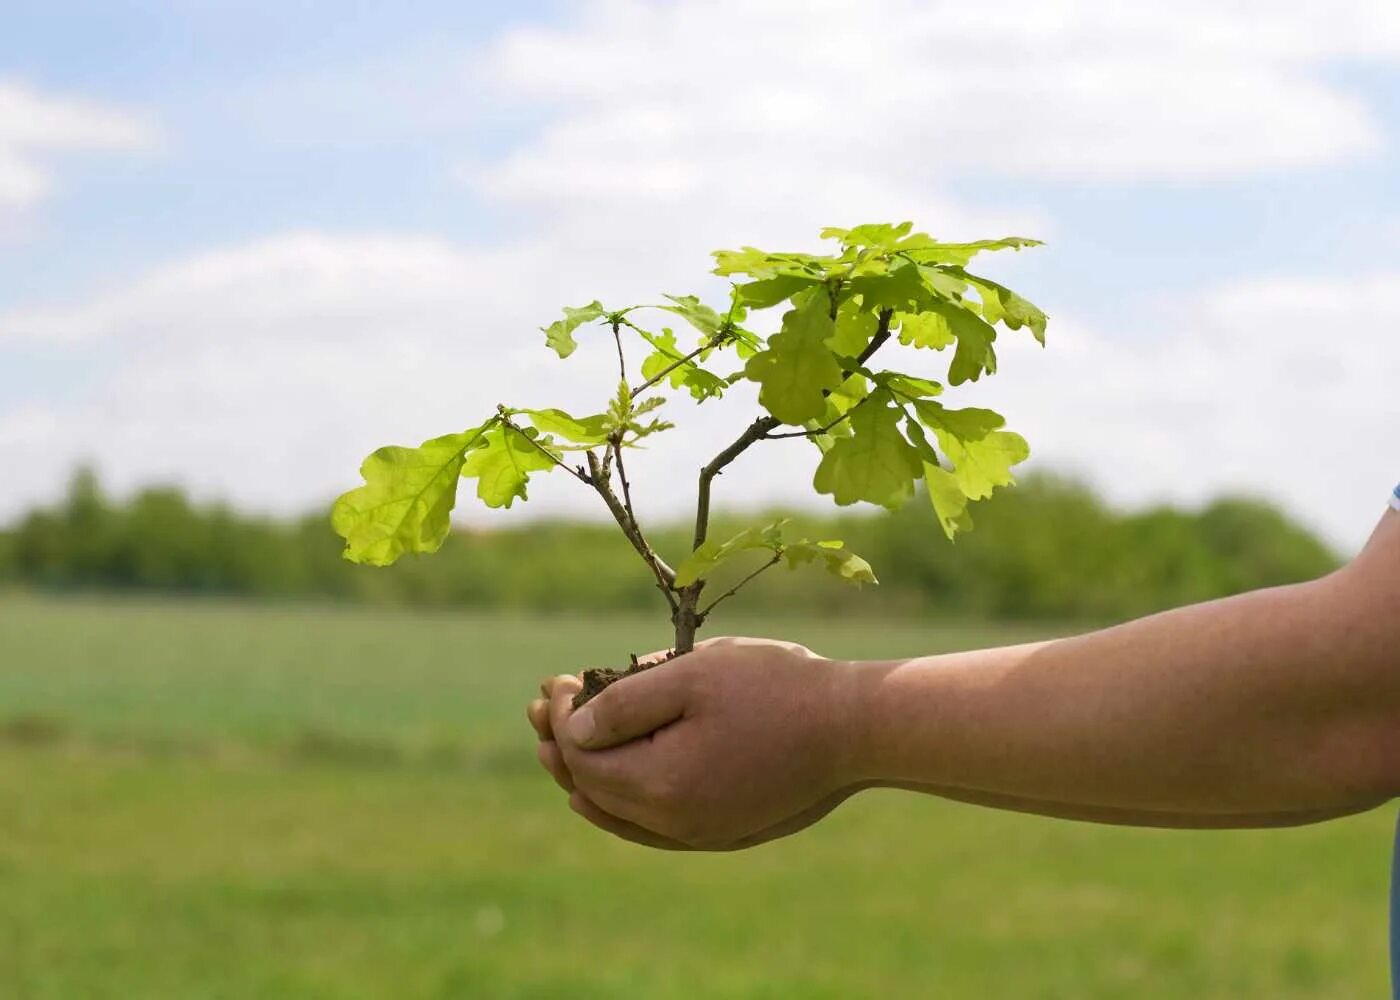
(205, 800)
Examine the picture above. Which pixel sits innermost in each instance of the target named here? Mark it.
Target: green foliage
(838, 310)
(1049, 550)
(502, 463)
(559, 335)
(876, 464)
(406, 499)
(829, 553)
(798, 369)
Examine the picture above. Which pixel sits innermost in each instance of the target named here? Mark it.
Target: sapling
(877, 430)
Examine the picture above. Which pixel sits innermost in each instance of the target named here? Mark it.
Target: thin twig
(665, 575)
(818, 430)
(676, 364)
(545, 451)
(777, 557)
(621, 361)
(626, 487)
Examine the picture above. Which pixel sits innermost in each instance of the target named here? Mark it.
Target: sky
(242, 245)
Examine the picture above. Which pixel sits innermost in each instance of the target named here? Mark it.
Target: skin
(1275, 708)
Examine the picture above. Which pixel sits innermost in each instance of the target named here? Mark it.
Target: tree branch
(777, 557)
(626, 487)
(665, 575)
(882, 334)
(755, 432)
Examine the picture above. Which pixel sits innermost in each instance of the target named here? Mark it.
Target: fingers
(561, 694)
(538, 714)
(620, 827)
(633, 707)
(553, 761)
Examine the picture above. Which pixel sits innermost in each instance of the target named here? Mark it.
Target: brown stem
(621, 361)
(882, 334)
(616, 446)
(665, 575)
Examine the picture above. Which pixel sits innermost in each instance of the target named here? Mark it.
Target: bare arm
(1276, 702)
(1268, 709)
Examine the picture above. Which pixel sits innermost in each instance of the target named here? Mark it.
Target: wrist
(854, 723)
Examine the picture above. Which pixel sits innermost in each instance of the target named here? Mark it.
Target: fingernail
(581, 726)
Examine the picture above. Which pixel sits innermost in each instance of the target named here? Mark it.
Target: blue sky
(256, 204)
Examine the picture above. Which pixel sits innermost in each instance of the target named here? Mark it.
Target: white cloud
(690, 99)
(1282, 388)
(34, 125)
(263, 373)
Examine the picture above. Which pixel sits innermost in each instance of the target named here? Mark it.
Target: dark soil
(599, 679)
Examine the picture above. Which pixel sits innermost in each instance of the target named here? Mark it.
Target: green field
(202, 801)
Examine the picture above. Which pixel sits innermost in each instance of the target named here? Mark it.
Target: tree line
(1048, 549)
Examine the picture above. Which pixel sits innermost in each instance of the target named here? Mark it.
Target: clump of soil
(599, 679)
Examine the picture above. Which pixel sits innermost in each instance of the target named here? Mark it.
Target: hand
(739, 742)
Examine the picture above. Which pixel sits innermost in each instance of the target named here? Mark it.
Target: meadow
(210, 800)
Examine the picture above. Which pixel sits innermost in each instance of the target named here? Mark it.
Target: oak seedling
(878, 431)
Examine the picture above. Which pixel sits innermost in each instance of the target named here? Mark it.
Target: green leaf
(981, 466)
(767, 292)
(695, 312)
(503, 465)
(592, 430)
(832, 554)
(1001, 305)
(854, 328)
(875, 235)
(406, 499)
(701, 563)
(909, 386)
(968, 424)
(761, 264)
(929, 251)
(560, 334)
(947, 497)
(702, 383)
(981, 454)
(927, 329)
(797, 368)
(875, 464)
(974, 355)
(945, 283)
(901, 289)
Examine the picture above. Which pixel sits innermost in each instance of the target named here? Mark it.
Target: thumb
(631, 707)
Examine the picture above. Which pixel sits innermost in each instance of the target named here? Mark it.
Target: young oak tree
(878, 430)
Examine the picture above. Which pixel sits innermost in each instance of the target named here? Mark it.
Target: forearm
(1271, 703)
(1167, 820)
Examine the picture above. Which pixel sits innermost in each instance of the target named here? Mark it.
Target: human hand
(739, 742)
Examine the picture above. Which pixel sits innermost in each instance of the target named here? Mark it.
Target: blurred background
(241, 245)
